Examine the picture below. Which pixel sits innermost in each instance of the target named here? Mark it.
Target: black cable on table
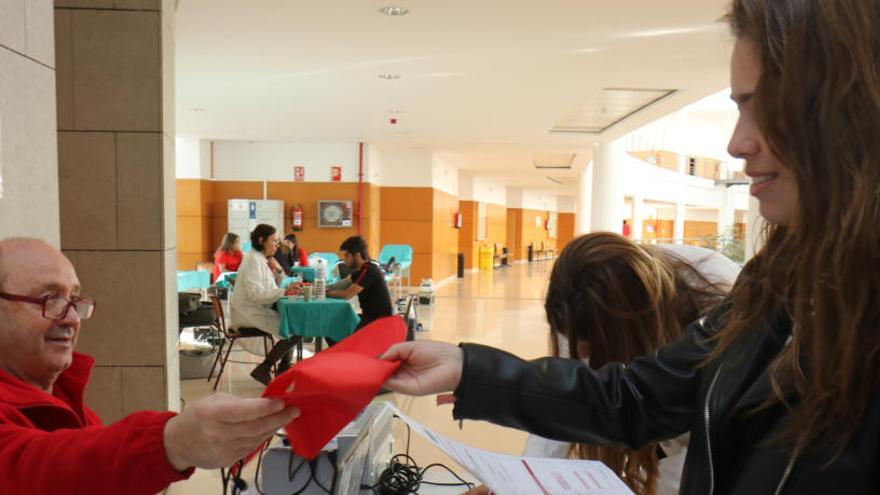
(404, 478)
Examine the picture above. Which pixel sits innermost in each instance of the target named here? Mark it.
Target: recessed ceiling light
(389, 77)
(394, 10)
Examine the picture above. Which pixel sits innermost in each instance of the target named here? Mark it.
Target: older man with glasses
(50, 442)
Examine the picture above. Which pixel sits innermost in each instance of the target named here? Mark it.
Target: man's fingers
(260, 427)
(243, 410)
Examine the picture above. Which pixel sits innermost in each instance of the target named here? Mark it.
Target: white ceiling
(482, 82)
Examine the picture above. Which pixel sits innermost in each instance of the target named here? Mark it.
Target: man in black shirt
(366, 281)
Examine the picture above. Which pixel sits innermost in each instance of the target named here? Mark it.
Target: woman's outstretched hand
(426, 367)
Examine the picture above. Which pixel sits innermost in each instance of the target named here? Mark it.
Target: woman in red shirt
(228, 256)
(290, 253)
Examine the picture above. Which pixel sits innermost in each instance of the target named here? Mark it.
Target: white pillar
(638, 213)
(754, 226)
(726, 212)
(606, 212)
(678, 225)
(585, 193)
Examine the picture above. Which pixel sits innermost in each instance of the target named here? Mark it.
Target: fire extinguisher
(296, 213)
(458, 220)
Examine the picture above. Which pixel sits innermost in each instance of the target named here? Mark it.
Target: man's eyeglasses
(56, 307)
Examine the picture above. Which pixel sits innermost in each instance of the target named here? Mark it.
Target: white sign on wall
(244, 214)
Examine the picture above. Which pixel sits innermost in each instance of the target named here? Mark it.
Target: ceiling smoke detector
(394, 10)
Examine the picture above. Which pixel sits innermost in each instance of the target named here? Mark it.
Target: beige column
(115, 100)
(28, 161)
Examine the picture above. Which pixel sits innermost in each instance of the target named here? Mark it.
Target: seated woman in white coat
(256, 291)
(611, 300)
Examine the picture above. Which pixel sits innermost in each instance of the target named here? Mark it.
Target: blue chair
(402, 254)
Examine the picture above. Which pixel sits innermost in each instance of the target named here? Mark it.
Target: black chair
(229, 338)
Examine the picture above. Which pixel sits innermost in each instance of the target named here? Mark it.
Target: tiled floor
(503, 309)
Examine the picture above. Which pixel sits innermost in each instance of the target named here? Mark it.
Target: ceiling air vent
(608, 108)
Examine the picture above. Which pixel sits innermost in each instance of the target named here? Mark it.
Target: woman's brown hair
(625, 300)
(817, 104)
(228, 242)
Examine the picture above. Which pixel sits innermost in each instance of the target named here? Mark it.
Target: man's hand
(218, 430)
(427, 367)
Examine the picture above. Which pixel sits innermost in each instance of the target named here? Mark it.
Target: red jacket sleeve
(126, 457)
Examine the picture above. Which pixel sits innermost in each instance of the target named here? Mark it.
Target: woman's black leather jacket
(668, 393)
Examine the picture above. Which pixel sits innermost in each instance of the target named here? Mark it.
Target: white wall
(192, 158)
(528, 199)
(654, 183)
(444, 176)
(401, 166)
(480, 189)
(240, 160)
(566, 204)
(690, 214)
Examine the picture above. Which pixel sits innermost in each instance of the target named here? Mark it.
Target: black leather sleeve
(653, 398)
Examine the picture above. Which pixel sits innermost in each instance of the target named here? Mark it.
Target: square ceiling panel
(608, 108)
(548, 160)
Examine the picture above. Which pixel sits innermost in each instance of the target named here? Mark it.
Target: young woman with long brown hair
(778, 386)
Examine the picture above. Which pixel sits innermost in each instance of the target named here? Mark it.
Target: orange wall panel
(223, 190)
(218, 230)
(189, 235)
(445, 235)
(187, 261)
(467, 235)
(407, 203)
(694, 231)
(406, 217)
(189, 198)
(496, 228)
(421, 267)
(372, 218)
(514, 233)
(307, 195)
(565, 229)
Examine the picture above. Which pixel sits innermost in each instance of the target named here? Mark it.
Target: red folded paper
(332, 387)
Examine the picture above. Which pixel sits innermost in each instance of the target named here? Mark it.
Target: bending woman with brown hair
(780, 386)
(611, 300)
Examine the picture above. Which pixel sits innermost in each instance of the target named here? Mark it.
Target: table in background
(330, 318)
(193, 280)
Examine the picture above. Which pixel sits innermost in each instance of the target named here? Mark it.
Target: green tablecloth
(333, 318)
